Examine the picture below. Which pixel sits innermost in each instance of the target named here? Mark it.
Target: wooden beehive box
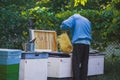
(45, 40)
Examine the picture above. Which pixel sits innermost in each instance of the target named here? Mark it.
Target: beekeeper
(80, 28)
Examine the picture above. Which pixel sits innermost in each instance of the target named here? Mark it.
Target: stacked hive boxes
(9, 64)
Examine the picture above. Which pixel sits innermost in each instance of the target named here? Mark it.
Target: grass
(109, 76)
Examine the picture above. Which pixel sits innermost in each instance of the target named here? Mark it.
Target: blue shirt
(80, 28)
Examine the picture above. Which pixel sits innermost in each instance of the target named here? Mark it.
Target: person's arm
(68, 23)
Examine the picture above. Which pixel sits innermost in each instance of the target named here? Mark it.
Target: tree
(48, 14)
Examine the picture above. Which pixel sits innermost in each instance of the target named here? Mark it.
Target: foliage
(11, 29)
(13, 26)
(48, 14)
(82, 2)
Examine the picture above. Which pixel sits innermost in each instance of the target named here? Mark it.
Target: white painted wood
(33, 69)
(95, 65)
(61, 67)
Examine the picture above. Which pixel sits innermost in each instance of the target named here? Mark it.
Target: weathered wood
(45, 39)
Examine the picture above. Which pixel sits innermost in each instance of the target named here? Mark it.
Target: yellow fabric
(64, 43)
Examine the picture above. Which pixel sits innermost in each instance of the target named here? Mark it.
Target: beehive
(9, 64)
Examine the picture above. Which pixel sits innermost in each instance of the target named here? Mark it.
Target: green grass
(109, 76)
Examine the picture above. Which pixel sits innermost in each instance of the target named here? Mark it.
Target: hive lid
(45, 40)
(10, 52)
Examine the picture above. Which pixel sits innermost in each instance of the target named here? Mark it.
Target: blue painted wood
(10, 56)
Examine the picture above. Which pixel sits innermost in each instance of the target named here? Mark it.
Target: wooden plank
(45, 39)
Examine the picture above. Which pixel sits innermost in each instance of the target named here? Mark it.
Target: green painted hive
(9, 64)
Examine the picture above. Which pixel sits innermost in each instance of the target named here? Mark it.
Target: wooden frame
(45, 40)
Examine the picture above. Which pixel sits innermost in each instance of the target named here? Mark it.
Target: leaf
(23, 13)
(82, 2)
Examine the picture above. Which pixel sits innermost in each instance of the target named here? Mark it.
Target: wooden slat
(45, 39)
